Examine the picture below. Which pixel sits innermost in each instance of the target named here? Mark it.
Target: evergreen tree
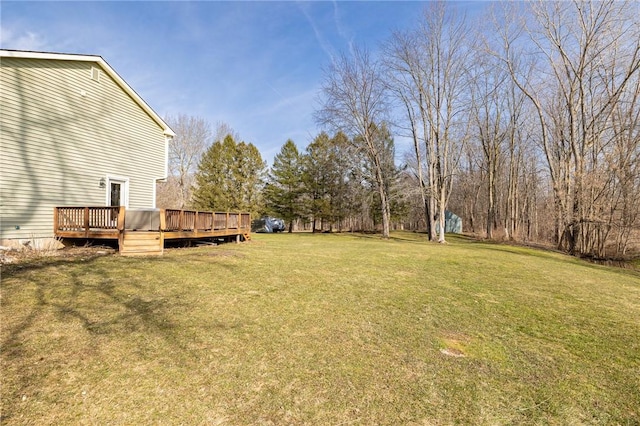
(230, 178)
(315, 177)
(212, 191)
(249, 178)
(327, 167)
(284, 189)
(340, 178)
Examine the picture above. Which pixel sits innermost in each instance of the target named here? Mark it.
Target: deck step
(247, 236)
(142, 243)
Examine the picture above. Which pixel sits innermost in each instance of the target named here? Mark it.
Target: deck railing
(81, 221)
(190, 220)
(107, 222)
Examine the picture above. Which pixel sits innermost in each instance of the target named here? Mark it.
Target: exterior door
(115, 193)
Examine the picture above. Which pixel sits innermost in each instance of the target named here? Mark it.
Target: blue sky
(255, 65)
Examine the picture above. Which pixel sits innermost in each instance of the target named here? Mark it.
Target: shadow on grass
(90, 293)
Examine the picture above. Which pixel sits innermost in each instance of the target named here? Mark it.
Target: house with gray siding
(72, 133)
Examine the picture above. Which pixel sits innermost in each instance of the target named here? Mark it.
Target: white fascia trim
(155, 185)
(105, 66)
(48, 55)
(167, 141)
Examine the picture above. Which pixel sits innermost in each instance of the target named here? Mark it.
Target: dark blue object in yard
(267, 225)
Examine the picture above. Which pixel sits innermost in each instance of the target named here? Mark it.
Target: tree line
(524, 122)
(326, 187)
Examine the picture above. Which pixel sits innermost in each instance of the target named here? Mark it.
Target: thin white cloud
(275, 90)
(322, 41)
(296, 102)
(23, 40)
(343, 31)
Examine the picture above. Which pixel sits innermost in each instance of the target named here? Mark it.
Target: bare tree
(622, 165)
(499, 127)
(489, 114)
(430, 68)
(355, 102)
(193, 136)
(406, 81)
(588, 55)
(553, 102)
(222, 130)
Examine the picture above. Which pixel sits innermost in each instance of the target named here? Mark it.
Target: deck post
(226, 223)
(180, 220)
(163, 226)
(120, 225)
(195, 224)
(163, 220)
(55, 221)
(86, 222)
(121, 216)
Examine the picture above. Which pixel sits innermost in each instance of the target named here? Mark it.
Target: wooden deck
(143, 231)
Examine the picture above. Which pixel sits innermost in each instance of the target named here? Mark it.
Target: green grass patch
(322, 329)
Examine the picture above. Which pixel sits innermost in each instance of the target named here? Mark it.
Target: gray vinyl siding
(60, 133)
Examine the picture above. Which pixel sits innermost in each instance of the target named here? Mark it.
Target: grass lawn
(322, 330)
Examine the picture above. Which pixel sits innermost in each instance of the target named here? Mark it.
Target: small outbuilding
(452, 223)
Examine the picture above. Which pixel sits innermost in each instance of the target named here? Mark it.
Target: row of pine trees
(328, 186)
